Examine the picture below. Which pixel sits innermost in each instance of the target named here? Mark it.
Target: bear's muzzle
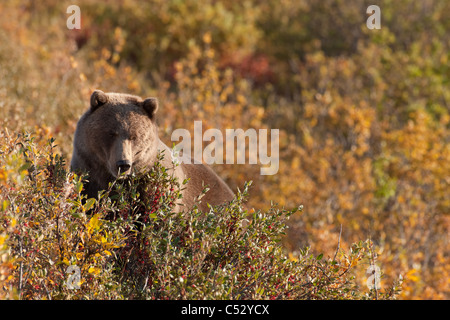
(123, 166)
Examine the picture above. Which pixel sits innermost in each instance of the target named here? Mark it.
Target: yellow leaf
(94, 270)
(207, 37)
(411, 275)
(291, 257)
(93, 224)
(354, 263)
(5, 205)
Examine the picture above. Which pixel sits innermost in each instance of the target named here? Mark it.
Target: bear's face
(119, 132)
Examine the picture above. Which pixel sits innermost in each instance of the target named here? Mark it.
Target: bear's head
(116, 135)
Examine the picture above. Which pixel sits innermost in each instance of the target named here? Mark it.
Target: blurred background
(363, 114)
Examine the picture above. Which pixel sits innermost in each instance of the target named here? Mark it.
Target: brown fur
(121, 127)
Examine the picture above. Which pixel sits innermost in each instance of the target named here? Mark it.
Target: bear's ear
(98, 98)
(150, 106)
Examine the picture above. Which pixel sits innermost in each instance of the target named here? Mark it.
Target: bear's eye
(113, 134)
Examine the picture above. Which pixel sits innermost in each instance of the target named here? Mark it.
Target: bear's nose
(123, 165)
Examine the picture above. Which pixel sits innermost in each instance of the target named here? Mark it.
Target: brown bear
(119, 134)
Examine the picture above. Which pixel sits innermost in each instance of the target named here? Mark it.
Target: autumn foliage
(364, 147)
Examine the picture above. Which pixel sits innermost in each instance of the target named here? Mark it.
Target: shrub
(130, 243)
(363, 114)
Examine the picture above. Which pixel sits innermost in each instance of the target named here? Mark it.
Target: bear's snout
(123, 166)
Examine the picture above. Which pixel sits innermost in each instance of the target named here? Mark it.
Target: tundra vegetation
(364, 150)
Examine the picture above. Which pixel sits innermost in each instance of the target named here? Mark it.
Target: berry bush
(131, 243)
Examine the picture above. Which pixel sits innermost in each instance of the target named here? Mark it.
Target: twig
(339, 244)
(20, 268)
(49, 297)
(376, 278)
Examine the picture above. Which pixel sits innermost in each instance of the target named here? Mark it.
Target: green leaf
(26, 166)
(79, 186)
(89, 203)
(5, 205)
